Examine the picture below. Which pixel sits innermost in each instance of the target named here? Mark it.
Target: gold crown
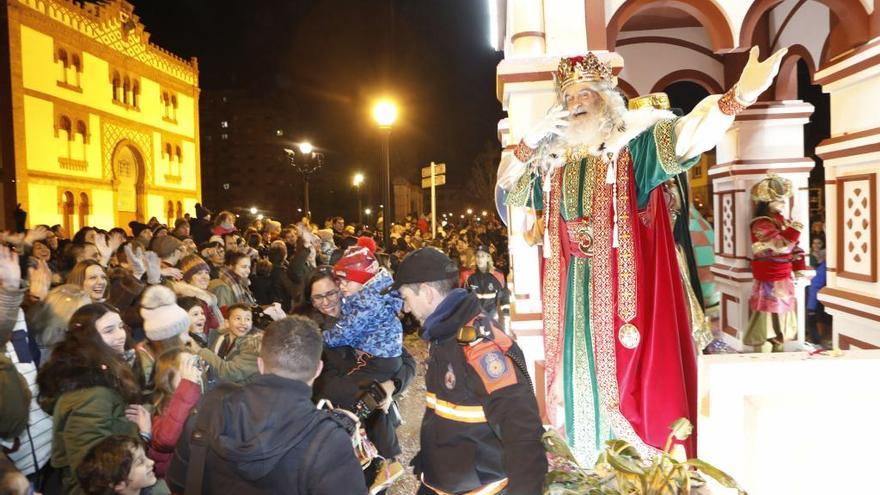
(772, 188)
(580, 69)
(657, 100)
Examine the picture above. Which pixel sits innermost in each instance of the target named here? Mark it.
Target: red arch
(695, 76)
(851, 13)
(786, 82)
(706, 12)
(627, 89)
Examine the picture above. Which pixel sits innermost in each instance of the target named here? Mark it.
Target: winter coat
(240, 363)
(261, 288)
(258, 438)
(168, 426)
(369, 321)
(230, 289)
(81, 418)
(283, 290)
(200, 230)
(213, 316)
(19, 410)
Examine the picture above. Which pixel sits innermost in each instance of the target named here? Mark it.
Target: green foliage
(620, 470)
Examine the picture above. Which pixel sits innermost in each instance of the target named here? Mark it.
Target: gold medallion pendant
(629, 336)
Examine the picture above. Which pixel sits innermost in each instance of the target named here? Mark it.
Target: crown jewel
(589, 68)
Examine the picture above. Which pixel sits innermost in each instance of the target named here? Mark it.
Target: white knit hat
(163, 318)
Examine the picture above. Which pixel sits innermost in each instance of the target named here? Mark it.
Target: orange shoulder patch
(494, 368)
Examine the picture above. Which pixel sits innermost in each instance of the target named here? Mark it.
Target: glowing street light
(253, 210)
(306, 147)
(470, 211)
(385, 113)
(260, 216)
(368, 211)
(357, 181)
(484, 213)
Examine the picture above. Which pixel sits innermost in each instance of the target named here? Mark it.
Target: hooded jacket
(257, 440)
(369, 321)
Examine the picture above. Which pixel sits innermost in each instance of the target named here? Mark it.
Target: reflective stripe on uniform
(455, 412)
(490, 489)
(488, 295)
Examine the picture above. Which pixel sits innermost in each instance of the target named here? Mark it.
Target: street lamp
(470, 211)
(385, 113)
(358, 180)
(306, 161)
(253, 210)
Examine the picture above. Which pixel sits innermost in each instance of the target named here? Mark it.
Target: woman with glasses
(323, 303)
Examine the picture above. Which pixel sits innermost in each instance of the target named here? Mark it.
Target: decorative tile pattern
(857, 227)
(728, 224)
(112, 134)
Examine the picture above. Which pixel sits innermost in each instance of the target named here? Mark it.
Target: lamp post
(306, 161)
(357, 181)
(385, 113)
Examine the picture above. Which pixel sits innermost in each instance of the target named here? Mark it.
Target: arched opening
(135, 94)
(126, 89)
(83, 209)
(67, 211)
(128, 183)
(709, 85)
(707, 12)
(169, 213)
(75, 69)
(79, 141)
(63, 64)
(788, 81)
(174, 107)
(179, 210)
(684, 95)
(117, 86)
(849, 24)
(65, 136)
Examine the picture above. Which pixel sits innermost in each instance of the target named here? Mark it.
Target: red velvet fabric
(657, 381)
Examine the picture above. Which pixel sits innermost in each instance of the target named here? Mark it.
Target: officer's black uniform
(492, 292)
(481, 428)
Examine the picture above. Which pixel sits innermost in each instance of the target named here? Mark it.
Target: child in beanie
(368, 319)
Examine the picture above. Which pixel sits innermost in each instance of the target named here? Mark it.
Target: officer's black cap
(427, 264)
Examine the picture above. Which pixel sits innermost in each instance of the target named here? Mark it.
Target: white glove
(552, 124)
(136, 261)
(275, 312)
(757, 76)
(154, 268)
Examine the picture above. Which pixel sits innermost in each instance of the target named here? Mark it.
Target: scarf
(240, 287)
(459, 307)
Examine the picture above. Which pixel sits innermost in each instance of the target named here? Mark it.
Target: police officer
(481, 433)
(490, 286)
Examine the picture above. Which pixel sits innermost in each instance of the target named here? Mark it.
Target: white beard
(588, 130)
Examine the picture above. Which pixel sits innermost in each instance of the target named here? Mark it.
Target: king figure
(619, 355)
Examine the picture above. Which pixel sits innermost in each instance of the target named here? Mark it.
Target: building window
(224, 124)
(174, 107)
(169, 104)
(135, 94)
(279, 132)
(83, 209)
(67, 211)
(117, 87)
(224, 136)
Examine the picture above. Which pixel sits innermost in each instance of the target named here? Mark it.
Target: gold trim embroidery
(584, 414)
(664, 140)
(626, 277)
(553, 311)
(570, 183)
(729, 104)
(602, 317)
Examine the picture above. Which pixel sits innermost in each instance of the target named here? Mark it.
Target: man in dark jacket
(200, 228)
(267, 436)
(481, 431)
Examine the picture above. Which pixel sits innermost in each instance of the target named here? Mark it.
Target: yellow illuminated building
(104, 125)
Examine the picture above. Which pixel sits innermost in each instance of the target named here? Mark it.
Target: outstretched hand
(553, 124)
(758, 76)
(10, 270)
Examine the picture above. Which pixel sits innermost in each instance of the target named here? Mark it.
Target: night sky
(325, 61)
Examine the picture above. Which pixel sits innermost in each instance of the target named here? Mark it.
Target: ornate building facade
(656, 43)
(101, 126)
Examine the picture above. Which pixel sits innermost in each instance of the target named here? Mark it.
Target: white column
(852, 200)
(767, 137)
(526, 23)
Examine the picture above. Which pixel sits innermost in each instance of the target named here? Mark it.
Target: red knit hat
(367, 242)
(357, 264)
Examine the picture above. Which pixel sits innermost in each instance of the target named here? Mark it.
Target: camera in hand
(260, 318)
(369, 401)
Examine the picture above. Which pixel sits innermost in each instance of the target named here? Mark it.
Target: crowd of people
(208, 357)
